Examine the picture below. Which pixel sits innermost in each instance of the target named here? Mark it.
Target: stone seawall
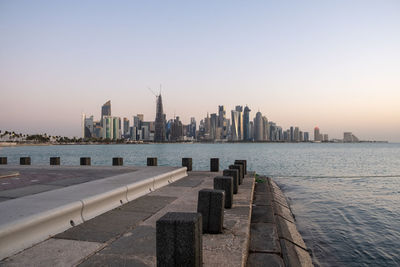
(274, 239)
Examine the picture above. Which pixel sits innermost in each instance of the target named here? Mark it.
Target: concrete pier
(258, 230)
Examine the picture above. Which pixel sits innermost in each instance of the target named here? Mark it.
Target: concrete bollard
(214, 164)
(211, 206)
(117, 161)
(25, 161)
(225, 183)
(238, 167)
(85, 161)
(187, 162)
(3, 160)
(244, 162)
(55, 161)
(234, 173)
(179, 239)
(151, 161)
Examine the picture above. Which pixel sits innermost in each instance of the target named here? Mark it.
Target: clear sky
(335, 64)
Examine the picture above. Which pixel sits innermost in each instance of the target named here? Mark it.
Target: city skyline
(332, 64)
(215, 127)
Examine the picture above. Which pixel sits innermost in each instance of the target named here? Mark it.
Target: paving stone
(264, 238)
(53, 252)
(260, 187)
(283, 212)
(187, 182)
(140, 242)
(148, 204)
(27, 190)
(262, 199)
(4, 199)
(262, 214)
(264, 259)
(294, 255)
(105, 227)
(288, 231)
(113, 261)
(71, 181)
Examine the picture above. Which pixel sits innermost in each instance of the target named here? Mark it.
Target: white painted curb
(27, 231)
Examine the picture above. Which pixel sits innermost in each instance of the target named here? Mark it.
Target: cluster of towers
(215, 127)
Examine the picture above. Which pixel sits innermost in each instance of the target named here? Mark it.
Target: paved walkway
(125, 236)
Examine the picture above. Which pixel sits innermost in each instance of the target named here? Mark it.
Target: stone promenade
(259, 229)
(126, 235)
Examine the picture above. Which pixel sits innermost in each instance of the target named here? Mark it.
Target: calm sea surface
(346, 197)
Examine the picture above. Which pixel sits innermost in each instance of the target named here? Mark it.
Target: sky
(332, 64)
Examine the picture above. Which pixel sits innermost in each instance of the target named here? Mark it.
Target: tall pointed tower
(160, 121)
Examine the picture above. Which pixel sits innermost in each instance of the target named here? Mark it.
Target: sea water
(346, 197)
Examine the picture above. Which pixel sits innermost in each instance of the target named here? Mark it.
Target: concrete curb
(24, 230)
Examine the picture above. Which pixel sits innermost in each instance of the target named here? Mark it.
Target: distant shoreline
(16, 144)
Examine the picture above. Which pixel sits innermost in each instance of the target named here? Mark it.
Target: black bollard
(85, 161)
(211, 205)
(234, 173)
(244, 162)
(187, 162)
(225, 183)
(238, 167)
(24, 161)
(3, 160)
(55, 161)
(151, 161)
(117, 161)
(179, 239)
(214, 164)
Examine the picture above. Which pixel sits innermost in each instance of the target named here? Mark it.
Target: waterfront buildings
(349, 137)
(317, 135)
(214, 127)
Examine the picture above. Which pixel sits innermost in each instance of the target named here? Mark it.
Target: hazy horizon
(335, 65)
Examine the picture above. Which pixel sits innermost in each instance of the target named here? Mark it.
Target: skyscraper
(239, 109)
(221, 116)
(258, 127)
(87, 126)
(246, 124)
(213, 126)
(126, 127)
(159, 135)
(235, 125)
(105, 110)
(317, 135)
